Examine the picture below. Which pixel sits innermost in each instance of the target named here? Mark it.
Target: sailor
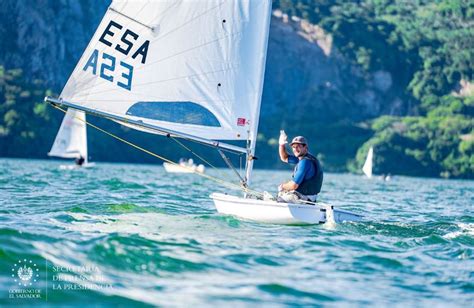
(307, 175)
(79, 161)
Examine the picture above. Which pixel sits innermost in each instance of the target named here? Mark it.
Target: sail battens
(132, 19)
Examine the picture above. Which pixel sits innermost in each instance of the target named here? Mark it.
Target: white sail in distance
(367, 168)
(189, 66)
(71, 140)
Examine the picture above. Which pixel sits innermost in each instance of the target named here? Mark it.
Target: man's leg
(311, 198)
(294, 197)
(288, 196)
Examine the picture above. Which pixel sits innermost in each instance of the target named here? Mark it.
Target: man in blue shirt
(307, 176)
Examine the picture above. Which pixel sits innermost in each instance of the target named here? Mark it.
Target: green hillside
(428, 46)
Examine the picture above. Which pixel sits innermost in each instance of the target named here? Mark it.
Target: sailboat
(367, 168)
(192, 70)
(184, 166)
(71, 140)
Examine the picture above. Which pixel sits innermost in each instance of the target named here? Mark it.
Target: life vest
(311, 186)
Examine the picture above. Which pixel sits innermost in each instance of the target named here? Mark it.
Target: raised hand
(283, 138)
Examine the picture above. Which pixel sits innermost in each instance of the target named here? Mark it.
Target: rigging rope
(217, 180)
(194, 153)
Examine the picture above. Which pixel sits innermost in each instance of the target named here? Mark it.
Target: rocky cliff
(305, 70)
(46, 37)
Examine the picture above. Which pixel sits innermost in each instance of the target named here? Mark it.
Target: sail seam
(126, 16)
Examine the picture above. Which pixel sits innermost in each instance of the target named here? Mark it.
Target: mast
(252, 138)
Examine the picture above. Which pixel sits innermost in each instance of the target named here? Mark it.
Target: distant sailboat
(192, 70)
(185, 166)
(367, 168)
(71, 140)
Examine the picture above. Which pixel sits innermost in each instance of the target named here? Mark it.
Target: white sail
(188, 66)
(71, 140)
(367, 168)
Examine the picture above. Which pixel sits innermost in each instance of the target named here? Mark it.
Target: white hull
(172, 168)
(74, 166)
(278, 212)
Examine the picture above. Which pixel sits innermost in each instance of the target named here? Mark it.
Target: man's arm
(290, 185)
(281, 146)
(283, 153)
(298, 176)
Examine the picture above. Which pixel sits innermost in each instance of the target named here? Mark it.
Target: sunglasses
(297, 145)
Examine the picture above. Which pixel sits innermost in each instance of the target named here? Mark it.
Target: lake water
(133, 235)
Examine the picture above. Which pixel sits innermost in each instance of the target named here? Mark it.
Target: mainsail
(188, 66)
(71, 140)
(367, 168)
(191, 69)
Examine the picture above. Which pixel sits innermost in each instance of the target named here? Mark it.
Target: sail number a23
(106, 65)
